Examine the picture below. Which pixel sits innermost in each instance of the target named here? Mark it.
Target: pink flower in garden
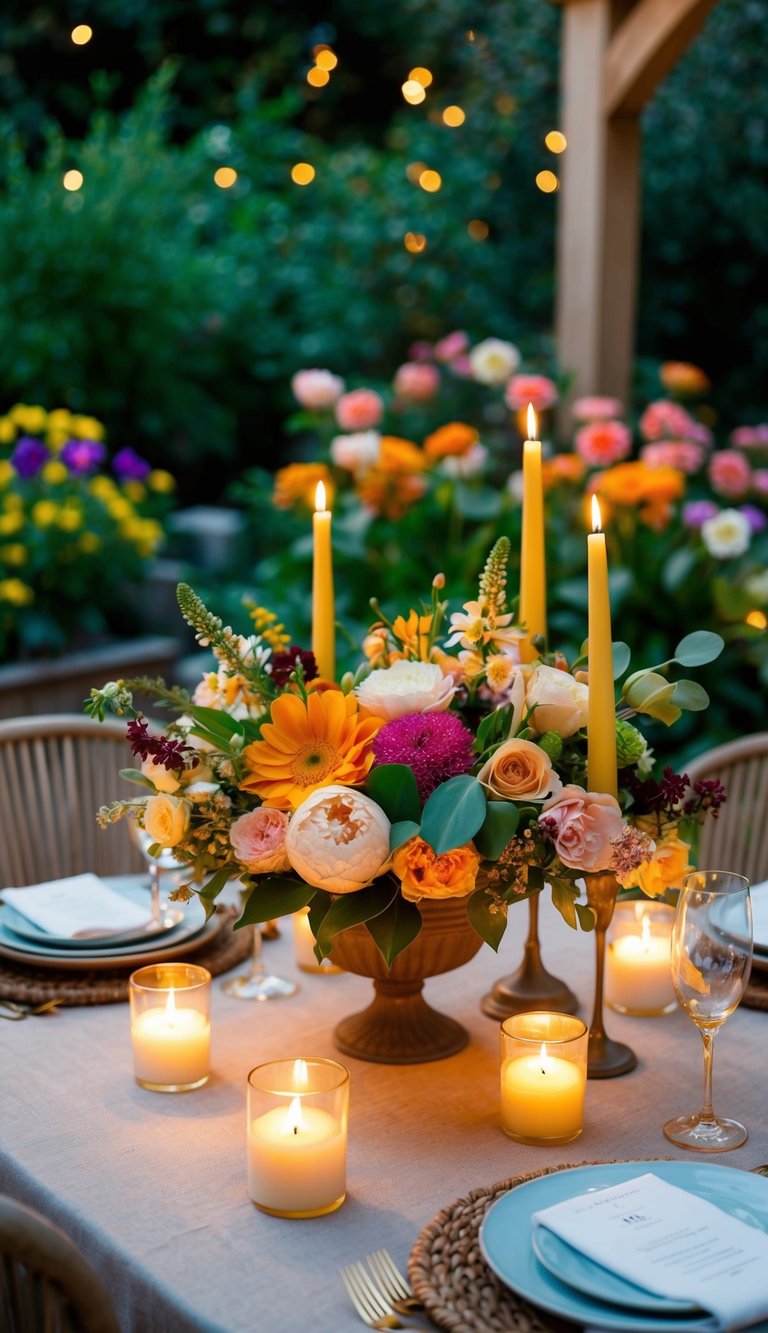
(359, 410)
(760, 480)
(664, 418)
(452, 345)
(420, 351)
(416, 381)
(597, 407)
(750, 437)
(681, 454)
(582, 825)
(258, 840)
(461, 366)
(603, 443)
(729, 473)
(700, 433)
(536, 389)
(316, 389)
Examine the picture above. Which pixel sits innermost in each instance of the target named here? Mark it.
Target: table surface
(153, 1187)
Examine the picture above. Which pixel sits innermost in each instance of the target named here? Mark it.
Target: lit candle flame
(543, 1057)
(300, 1073)
(320, 497)
(597, 522)
(531, 422)
(294, 1121)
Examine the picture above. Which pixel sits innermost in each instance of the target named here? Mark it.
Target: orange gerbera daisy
(309, 745)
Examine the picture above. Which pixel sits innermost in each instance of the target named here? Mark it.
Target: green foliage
(453, 814)
(393, 787)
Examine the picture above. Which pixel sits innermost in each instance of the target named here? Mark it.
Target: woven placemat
(32, 985)
(756, 994)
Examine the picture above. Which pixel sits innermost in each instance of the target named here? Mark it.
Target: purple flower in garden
(28, 456)
(696, 512)
(130, 466)
(437, 746)
(755, 517)
(82, 456)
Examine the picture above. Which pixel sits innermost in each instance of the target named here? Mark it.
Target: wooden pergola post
(614, 54)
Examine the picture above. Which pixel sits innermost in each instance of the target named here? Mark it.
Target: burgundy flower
(284, 663)
(172, 754)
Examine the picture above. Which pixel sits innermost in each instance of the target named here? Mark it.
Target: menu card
(671, 1243)
(78, 906)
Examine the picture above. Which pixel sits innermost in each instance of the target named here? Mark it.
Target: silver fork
(392, 1283)
(368, 1299)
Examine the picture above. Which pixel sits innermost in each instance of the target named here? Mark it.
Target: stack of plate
(560, 1280)
(182, 930)
(759, 896)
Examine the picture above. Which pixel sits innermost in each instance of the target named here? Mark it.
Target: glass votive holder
(171, 1026)
(304, 945)
(543, 1077)
(638, 975)
(297, 1136)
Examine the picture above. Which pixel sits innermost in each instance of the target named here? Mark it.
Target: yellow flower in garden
(119, 509)
(12, 500)
(14, 553)
(455, 439)
(666, 869)
(161, 481)
(54, 472)
(296, 484)
(7, 430)
(307, 745)
(6, 472)
(59, 419)
(56, 439)
(145, 533)
(29, 419)
(424, 874)
(89, 543)
(10, 523)
(70, 518)
(44, 513)
(135, 491)
(102, 488)
(15, 592)
(86, 428)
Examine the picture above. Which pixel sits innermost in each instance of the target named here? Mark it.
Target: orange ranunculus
(684, 378)
(296, 484)
(562, 467)
(453, 439)
(307, 745)
(424, 874)
(650, 490)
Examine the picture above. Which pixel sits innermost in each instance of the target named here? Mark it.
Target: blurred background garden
(204, 201)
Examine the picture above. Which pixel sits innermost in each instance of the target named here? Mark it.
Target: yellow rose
(424, 874)
(520, 771)
(667, 867)
(166, 819)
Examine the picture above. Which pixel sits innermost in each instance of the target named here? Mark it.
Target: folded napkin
(673, 1244)
(79, 906)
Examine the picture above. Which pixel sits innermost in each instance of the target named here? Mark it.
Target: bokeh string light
(547, 182)
(556, 141)
(225, 177)
(73, 180)
(81, 34)
(302, 173)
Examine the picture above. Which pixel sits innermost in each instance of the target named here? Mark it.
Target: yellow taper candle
(533, 573)
(601, 725)
(323, 610)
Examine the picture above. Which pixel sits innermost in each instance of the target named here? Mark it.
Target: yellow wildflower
(59, 419)
(102, 488)
(54, 472)
(161, 481)
(86, 428)
(14, 553)
(135, 491)
(70, 519)
(89, 543)
(56, 439)
(119, 509)
(44, 513)
(10, 523)
(266, 625)
(15, 592)
(29, 419)
(7, 430)
(12, 500)
(6, 472)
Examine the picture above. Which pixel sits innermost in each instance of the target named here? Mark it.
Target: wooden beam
(645, 47)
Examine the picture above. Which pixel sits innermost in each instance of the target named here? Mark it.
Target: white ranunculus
(406, 687)
(561, 703)
(727, 534)
(338, 839)
(356, 452)
(493, 361)
(163, 778)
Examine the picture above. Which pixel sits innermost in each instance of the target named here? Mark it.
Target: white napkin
(671, 1243)
(81, 905)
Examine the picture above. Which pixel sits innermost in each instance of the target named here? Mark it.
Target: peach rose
(316, 389)
(582, 825)
(258, 840)
(667, 867)
(164, 778)
(424, 874)
(559, 701)
(416, 381)
(519, 771)
(166, 819)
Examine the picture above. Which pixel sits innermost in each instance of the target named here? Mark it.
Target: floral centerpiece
(442, 768)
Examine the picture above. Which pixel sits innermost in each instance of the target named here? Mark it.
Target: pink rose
(681, 454)
(316, 389)
(603, 443)
(416, 381)
(729, 473)
(359, 410)
(451, 346)
(582, 825)
(760, 480)
(666, 418)
(596, 408)
(536, 389)
(258, 840)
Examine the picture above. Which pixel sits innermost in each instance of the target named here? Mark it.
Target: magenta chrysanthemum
(437, 746)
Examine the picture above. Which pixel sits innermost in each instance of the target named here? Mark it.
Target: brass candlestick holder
(531, 987)
(605, 1058)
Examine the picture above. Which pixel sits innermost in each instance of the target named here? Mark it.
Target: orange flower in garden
(454, 439)
(684, 378)
(307, 745)
(396, 455)
(650, 490)
(562, 468)
(396, 480)
(424, 874)
(296, 484)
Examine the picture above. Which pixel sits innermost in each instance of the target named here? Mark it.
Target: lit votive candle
(638, 977)
(304, 945)
(297, 1137)
(170, 1026)
(543, 1077)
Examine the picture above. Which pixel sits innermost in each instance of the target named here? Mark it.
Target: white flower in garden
(338, 839)
(559, 701)
(316, 389)
(406, 687)
(163, 778)
(466, 465)
(514, 486)
(727, 534)
(493, 361)
(756, 586)
(356, 452)
(166, 819)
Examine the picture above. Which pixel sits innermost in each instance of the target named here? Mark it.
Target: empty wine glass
(257, 983)
(163, 915)
(711, 962)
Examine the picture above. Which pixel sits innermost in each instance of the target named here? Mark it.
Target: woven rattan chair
(46, 1284)
(55, 772)
(738, 839)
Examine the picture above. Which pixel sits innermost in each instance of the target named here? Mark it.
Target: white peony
(561, 702)
(338, 840)
(493, 361)
(356, 452)
(727, 534)
(406, 687)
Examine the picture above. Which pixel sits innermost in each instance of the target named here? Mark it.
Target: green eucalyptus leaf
(486, 918)
(403, 831)
(135, 775)
(278, 895)
(453, 814)
(621, 658)
(691, 696)
(352, 909)
(217, 722)
(500, 824)
(699, 648)
(393, 787)
(395, 928)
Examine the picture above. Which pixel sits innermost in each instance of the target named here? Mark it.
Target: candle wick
(295, 1129)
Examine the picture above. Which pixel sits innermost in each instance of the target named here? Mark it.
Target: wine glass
(257, 983)
(163, 915)
(711, 962)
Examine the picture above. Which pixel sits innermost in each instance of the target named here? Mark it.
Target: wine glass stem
(257, 962)
(154, 885)
(708, 1037)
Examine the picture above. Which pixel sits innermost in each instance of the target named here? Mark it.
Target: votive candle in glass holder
(170, 1026)
(638, 974)
(304, 945)
(297, 1136)
(543, 1077)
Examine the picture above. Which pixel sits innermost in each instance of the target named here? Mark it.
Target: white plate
(133, 887)
(506, 1229)
(177, 945)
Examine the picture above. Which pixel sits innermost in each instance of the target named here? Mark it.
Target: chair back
(738, 839)
(55, 772)
(46, 1283)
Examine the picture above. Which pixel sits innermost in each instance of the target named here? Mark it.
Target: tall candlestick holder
(605, 1058)
(531, 987)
